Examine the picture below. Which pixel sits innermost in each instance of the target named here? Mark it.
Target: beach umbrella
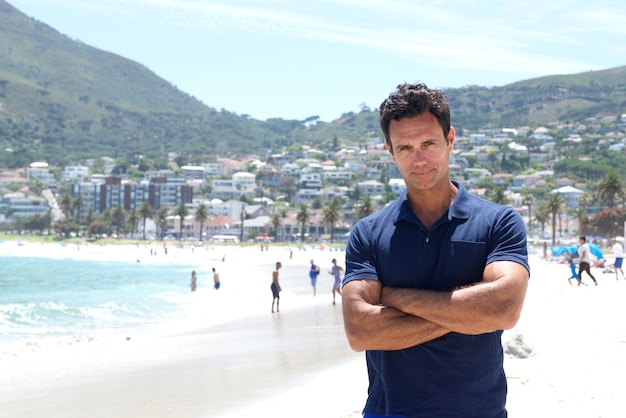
(560, 250)
(595, 250)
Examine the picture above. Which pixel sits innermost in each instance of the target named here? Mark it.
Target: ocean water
(65, 300)
(59, 300)
(53, 298)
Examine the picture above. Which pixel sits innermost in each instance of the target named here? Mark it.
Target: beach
(564, 358)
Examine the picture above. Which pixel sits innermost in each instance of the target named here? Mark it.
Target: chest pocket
(466, 263)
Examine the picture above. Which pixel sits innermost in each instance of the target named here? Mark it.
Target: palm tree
(556, 206)
(161, 220)
(585, 200)
(542, 216)
(355, 194)
(242, 218)
(48, 219)
(201, 215)
(366, 207)
(66, 204)
(133, 222)
(304, 217)
(118, 219)
(89, 218)
(77, 205)
(146, 211)
(528, 200)
(610, 188)
(181, 211)
(276, 220)
(583, 203)
(331, 216)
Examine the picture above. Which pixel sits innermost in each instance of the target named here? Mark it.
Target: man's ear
(390, 151)
(451, 137)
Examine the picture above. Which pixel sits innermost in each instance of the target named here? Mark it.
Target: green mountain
(62, 101)
(542, 100)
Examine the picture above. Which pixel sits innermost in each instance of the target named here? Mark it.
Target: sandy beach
(564, 358)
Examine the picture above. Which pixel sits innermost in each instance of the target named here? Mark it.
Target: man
(584, 262)
(433, 279)
(216, 279)
(314, 271)
(276, 287)
(618, 252)
(194, 281)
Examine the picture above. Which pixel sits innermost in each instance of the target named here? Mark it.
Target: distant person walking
(194, 281)
(276, 287)
(584, 263)
(336, 271)
(216, 279)
(314, 271)
(618, 251)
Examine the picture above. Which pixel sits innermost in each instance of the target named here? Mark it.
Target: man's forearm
(372, 327)
(492, 304)
(471, 310)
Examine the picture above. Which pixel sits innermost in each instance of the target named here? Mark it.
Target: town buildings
(287, 180)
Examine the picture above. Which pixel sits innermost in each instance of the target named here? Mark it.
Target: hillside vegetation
(62, 101)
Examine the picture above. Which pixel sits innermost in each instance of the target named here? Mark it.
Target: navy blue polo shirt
(455, 375)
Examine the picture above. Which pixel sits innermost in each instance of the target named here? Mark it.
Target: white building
(192, 172)
(334, 176)
(244, 181)
(43, 175)
(570, 195)
(213, 169)
(310, 181)
(18, 205)
(397, 185)
(74, 174)
(371, 187)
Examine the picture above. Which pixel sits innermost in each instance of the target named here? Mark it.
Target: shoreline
(564, 357)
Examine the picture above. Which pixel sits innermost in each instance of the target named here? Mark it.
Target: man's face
(420, 151)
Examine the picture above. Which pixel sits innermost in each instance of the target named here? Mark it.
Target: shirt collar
(459, 209)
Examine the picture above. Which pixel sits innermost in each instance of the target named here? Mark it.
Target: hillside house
(570, 195)
(19, 205)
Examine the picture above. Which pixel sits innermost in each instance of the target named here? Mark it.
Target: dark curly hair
(410, 100)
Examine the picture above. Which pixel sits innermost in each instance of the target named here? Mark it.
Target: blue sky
(296, 59)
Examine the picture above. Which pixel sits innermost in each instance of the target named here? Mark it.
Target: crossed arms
(387, 318)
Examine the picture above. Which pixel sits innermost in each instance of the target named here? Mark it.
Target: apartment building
(158, 192)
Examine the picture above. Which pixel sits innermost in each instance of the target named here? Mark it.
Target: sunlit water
(64, 300)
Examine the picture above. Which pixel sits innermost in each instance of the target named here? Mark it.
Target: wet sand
(212, 372)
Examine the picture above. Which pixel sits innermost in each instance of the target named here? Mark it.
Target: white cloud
(499, 36)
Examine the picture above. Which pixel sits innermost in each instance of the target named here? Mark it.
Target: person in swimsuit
(216, 279)
(276, 287)
(194, 281)
(336, 271)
